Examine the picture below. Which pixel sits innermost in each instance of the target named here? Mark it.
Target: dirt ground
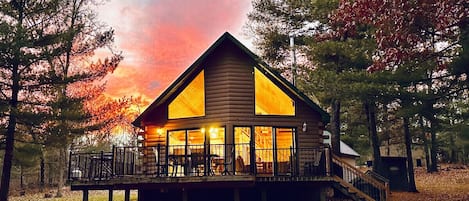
(451, 183)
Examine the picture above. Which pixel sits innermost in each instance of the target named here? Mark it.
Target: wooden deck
(307, 168)
(229, 181)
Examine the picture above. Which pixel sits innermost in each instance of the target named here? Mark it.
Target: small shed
(396, 172)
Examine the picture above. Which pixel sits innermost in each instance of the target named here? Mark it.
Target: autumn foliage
(405, 31)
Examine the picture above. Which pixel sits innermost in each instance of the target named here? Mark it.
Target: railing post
(113, 161)
(158, 148)
(328, 161)
(123, 162)
(252, 148)
(387, 191)
(207, 161)
(69, 165)
(89, 162)
(101, 165)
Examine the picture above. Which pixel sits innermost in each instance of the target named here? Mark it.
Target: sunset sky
(160, 39)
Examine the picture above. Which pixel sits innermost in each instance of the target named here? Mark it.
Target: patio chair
(228, 162)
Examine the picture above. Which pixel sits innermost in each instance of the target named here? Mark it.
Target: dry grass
(75, 196)
(451, 183)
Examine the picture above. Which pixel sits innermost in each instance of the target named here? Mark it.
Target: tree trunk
(41, 180)
(335, 129)
(13, 109)
(8, 156)
(10, 134)
(433, 147)
(21, 178)
(61, 168)
(373, 135)
(452, 145)
(425, 144)
(410, 162)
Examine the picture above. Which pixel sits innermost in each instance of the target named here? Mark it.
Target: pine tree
(23, 43)
(45, 75)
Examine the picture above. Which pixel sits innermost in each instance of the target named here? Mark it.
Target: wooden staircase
(357, 185)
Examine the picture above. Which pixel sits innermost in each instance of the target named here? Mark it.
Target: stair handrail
(383, 187)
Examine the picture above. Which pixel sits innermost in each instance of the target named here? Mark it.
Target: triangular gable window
(270, 99)
(191, 101)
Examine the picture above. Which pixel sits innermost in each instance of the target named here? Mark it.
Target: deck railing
(198, 160)
(220, 160)
(91, 166)
(365, 185)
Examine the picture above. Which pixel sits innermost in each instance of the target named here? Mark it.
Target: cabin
(228, 128)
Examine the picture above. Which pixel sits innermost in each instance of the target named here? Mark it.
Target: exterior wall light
(160, 131)
(304, 126)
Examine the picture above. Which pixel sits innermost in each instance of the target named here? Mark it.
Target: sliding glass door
(263, 140)
(242, 139)
(284, 143)
(274, 150)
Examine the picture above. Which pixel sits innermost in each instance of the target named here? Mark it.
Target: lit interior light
(213, 132)
(202, 130)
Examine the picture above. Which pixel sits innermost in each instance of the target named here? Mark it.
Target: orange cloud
(160, 39)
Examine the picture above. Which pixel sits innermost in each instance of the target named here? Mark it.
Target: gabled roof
(260, 64)
(345, 149)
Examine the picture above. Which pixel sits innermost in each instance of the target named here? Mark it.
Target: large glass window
(217, 141)
(195, 141)
(177, 142)
(219, 153)
(264, 149)
(186, 152)
(177, 152)
(191, 101)
(242, 138)
(271, 100)
(284, 138)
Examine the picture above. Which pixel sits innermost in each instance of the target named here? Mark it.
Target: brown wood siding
(229, 98)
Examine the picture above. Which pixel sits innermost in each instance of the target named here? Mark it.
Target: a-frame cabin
(228, 128)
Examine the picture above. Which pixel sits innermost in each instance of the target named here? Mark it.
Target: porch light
(304, 126)
(160, 131)
(140, 137)
(202, 130)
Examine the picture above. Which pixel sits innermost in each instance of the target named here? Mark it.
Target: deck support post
(140, 196)
(263, 194)
(127, 195)
(326, 192)
(85, 195)
(236, 194)
(184, 195)
(110, 194)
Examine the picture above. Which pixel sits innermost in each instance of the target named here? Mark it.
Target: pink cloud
(160, 39)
